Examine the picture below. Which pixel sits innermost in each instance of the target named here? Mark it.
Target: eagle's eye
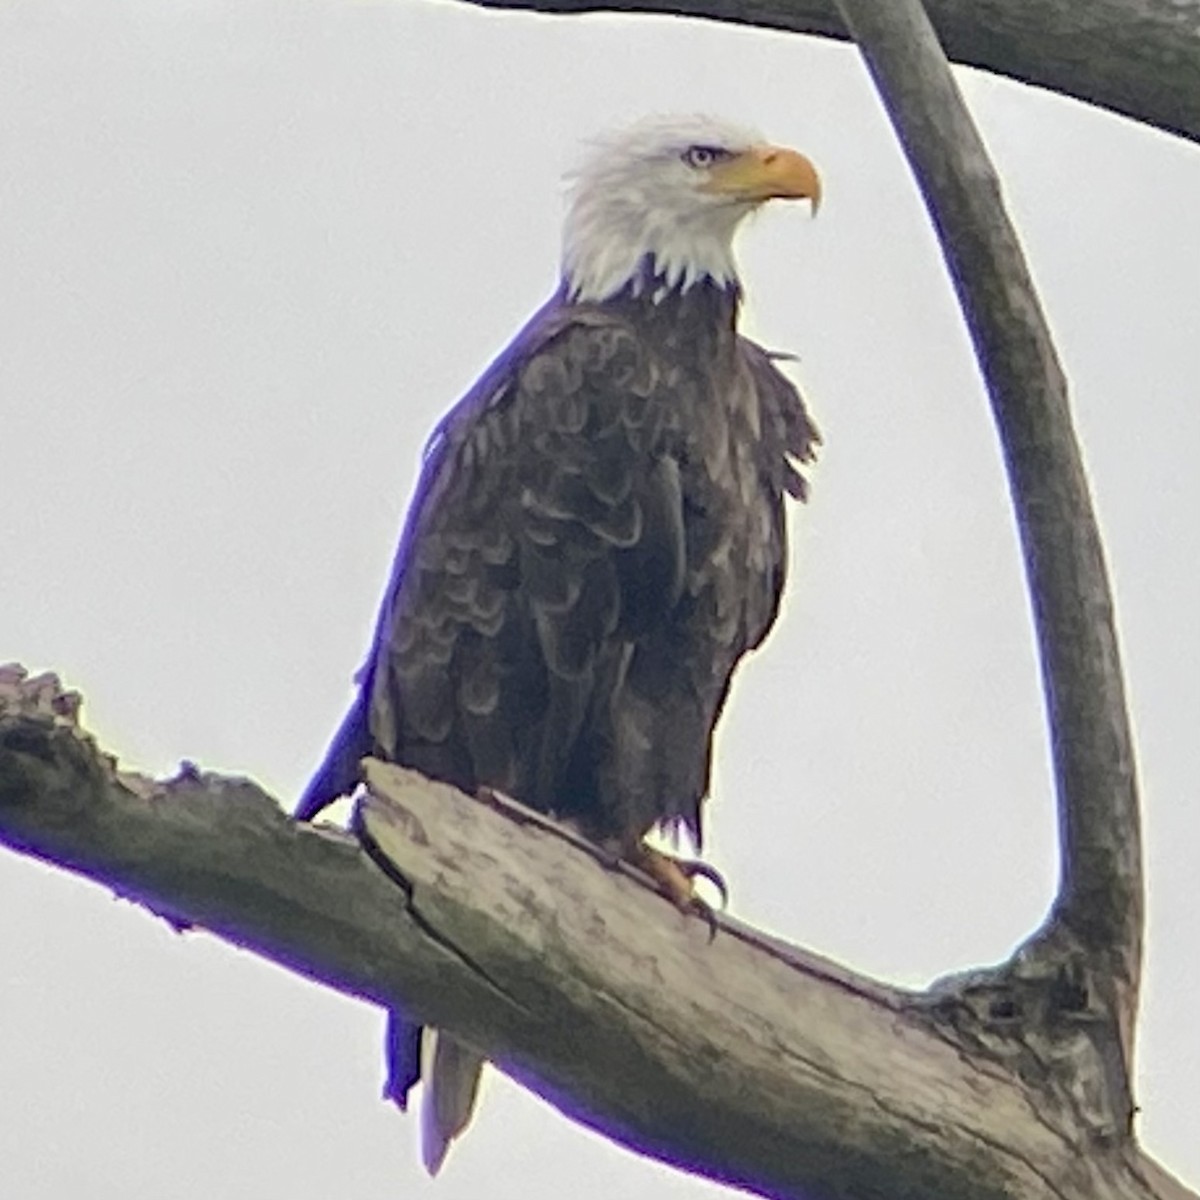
(704, 156)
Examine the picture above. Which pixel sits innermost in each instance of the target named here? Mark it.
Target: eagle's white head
(669, 193)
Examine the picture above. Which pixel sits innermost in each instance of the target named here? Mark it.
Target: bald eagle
(597, 536)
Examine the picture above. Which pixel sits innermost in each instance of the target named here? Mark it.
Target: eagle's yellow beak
(767, 173)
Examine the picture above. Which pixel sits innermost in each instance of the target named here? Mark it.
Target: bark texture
(742, 1059)
(1139, 58)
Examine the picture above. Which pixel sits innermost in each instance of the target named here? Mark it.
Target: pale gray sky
(250, 251)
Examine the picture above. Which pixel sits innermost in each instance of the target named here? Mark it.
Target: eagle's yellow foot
(676, 878)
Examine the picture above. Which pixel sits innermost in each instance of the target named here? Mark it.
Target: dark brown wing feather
(549, 538)
(597, 537)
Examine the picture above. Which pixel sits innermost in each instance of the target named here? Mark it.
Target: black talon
(693, 868)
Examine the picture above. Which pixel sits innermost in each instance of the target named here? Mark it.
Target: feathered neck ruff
(658, 299)
(652, 265)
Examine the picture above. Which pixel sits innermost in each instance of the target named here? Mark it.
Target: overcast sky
(250, 252)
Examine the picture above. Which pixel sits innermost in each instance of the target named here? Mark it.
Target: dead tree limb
(743, 1060)
(1082, 970)
(1139, 58)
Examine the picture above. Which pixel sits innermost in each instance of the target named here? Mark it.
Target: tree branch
(1089, 953)
(1140, 58)
(744, 1060)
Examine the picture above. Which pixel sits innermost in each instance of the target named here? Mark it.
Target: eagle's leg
(676, 879)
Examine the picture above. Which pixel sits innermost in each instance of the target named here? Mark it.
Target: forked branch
(1087, 959)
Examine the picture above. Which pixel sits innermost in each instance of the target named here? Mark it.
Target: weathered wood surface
(1093, 938)
(740, 1058)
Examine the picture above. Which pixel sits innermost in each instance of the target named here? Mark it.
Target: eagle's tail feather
(451, 1073)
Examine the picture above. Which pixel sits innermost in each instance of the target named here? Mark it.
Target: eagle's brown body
(597, 538)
